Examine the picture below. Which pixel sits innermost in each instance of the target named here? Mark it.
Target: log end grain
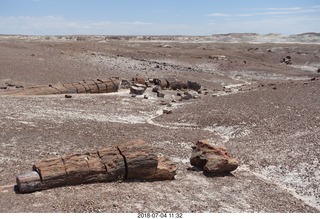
(29, 182)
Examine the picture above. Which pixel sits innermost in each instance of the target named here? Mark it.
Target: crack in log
(125, 162)
(105, 166)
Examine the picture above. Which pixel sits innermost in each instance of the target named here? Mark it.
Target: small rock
(166, 111)
(133, 95)
(187, 96)
(179, 94)
(312, 79)
(10, 85)
(33, 54)
(146, 97)
(68, 96)
(137, 90)
(156, 89)
(163, 102)
(159, 94)
(3, 87)
(194, 85)
(19, 86)
(169, 105)
(318, 70)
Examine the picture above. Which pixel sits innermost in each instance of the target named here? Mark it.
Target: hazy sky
(158, 17)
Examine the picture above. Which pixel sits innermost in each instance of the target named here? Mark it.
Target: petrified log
(132, 160)
(85, 86)
(213, 160)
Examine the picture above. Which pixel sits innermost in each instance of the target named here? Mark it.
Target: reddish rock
(213, 160)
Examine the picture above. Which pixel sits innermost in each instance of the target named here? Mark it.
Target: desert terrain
(259, 99)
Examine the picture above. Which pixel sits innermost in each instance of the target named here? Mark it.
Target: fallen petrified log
(129, 161)
(85, 86)
(212, 160)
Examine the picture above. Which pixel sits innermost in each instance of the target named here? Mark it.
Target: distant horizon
(181, 35)
(144, 17)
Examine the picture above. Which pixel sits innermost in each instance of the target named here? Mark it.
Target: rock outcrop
(133, 160)
(212, 160)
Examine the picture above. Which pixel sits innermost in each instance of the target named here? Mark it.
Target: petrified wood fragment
(213, 160)
(132, 160)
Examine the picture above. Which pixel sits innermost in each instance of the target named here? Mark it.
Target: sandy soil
(266, 113)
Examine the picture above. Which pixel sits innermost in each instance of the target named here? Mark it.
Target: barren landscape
(259, 99)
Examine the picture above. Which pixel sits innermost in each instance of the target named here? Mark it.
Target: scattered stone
(287, 60)
(160, 94)
(169, 105)
(218, 57)
(125, 84)
(194, 85)
(312, 79)
(3, 87)
(179, 94)
(139, 80)
(186, 96)
(134, 89)
(212, 160)
(163, 102)
(133, 95)
(68, 96)
(19, 86)
(145, 97)
(33, 54)
(318, 70)
(167, 111)
(10, 85)
(156, 89)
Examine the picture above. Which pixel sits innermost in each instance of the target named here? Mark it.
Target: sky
(158, 17)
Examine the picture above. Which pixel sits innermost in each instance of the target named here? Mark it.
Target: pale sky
(165, 17)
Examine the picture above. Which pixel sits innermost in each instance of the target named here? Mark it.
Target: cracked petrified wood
(85, 86)
(129, 161)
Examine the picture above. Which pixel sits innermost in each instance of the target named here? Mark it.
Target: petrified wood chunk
(213, 160)
(29, 182)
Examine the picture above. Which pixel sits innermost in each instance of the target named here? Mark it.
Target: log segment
(133, 160)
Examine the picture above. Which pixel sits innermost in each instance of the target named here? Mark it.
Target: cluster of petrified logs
(129, 161)
(85, 86)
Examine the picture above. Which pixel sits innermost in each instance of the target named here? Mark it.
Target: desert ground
(266, 112)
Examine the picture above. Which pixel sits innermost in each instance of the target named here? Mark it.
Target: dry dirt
(266, 113)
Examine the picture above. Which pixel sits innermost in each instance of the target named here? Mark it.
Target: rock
(186, 96)
(3, 87)
(218, 57)
(145, 97)
(125, 84)
(318, 70)
(313, 79)
(19, 86)
(155, 89)
(212, 160)
(139, 80)
(159, 94)
(136, 90)
(167, 111)
(194, 85)
(68, 96)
